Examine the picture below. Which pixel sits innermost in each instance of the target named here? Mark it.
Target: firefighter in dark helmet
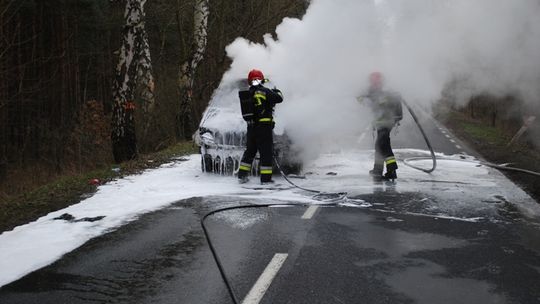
(257, 105)
(387, 111)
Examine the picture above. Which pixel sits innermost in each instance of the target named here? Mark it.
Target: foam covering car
(221, 135)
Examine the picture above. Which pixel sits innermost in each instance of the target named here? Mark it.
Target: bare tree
(134, 68)
(186, 77)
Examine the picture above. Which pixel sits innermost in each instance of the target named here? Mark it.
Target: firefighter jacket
(386, 107)
(264, 100)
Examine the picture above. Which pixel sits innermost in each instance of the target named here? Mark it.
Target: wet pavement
(339, 254)
(160, 258)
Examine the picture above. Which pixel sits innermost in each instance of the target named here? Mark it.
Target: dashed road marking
(258, 290)
(310, 212)
(443, 131)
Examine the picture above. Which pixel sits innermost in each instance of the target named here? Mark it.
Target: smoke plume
(321, 62)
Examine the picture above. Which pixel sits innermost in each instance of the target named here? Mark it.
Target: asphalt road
(390, 252)
(333, 255)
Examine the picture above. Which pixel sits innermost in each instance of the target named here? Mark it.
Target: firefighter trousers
(259, 138)
(383, 152)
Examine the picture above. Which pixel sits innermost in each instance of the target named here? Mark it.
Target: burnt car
(222, 135)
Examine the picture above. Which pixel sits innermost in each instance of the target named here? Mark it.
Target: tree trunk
(187, 71)
(134, 61)
(146, 83)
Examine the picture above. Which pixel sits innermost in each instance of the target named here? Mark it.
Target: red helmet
(376, 80)
(255, 74)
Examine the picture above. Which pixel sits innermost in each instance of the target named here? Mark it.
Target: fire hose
(434, 158)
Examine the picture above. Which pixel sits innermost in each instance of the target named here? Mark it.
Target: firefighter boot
(390, 175)
(242, 177)
(391, 167)
(266, 179)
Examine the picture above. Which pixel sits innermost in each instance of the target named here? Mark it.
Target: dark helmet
(255, 75)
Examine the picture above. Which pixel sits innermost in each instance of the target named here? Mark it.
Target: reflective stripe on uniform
(259, 94)
(266, 170)
(259, 98)
(245, 167)
(265, 120)
(390, 160)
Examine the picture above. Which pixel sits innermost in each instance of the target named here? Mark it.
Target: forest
(87, 82)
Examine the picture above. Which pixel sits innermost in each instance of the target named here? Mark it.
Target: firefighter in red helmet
(257, 110)
(387, 110)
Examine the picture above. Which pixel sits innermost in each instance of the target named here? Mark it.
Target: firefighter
(387, 111)
(257, 110)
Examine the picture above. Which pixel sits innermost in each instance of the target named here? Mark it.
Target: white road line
(309, 212)
(452, 141)
(458, 146)
(258, 290)
(447, 136)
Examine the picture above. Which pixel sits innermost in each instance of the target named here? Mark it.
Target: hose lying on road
(488, 164)
(320, 195)
(289, 181)
(213, 250)
(434, 158)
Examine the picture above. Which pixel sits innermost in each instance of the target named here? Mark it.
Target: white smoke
(321, 62)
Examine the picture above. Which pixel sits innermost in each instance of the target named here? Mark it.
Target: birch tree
(134, 70)
(186, 77)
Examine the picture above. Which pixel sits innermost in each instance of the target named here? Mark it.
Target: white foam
(37, 244)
